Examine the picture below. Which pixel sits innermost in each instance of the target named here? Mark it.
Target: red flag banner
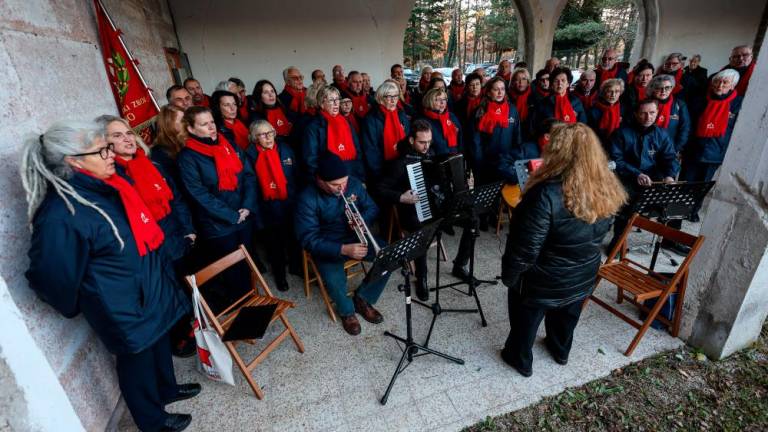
(133, 97)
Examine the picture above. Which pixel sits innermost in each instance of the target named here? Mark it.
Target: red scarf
(393, 132)
(564, 110)
(339, 137)
(521, 102)
(607, 74)
(457, 91)
(360, 104)
(472, 104)
(146, 232)
(450, 131)
(678, 82)
(342, 85)
(243, 113)
(741, 87)
(239, 131)
(665, 110)
(611, 116)
(269, 171)
(228, 163)
(206, 102)
(641, 92)
(423, 83)
(297, 99)
(276, 117)
(714, 120)
(353, 121)
(149, 183)
(507, 76)
(496, 114)
(586, 100)
(541, 92)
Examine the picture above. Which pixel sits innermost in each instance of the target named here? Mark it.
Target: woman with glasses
(224, 109)
(673, 65)
(273, 162)
(383, 128)
(95, 250)
(608, 113)
(330, 132)
(446, 129)
(673, 112)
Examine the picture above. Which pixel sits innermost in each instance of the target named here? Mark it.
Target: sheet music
(418, 185)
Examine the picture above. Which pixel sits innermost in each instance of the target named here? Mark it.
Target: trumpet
(358, 224)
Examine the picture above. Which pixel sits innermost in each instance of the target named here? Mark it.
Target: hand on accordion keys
(409, 197)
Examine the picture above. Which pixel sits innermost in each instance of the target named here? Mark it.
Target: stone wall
(52, 69)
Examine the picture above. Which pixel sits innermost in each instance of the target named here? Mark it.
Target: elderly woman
(673, 65)
(456, 87)
(330, 132)
(608, 113)
(168, 142)
(505, 70)
(273, 163)
(642, 74)
(561, 105)
(585, 89)
(221, 188)
(384, 127)
(553, 251)
(446, 129)
(265, 105)
(673, 112)
(94, 250)
(224, 111)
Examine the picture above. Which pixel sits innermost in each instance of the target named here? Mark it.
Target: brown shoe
(367, 311)
(351, 325)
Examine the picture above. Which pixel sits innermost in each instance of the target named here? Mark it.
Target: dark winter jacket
(315, 144)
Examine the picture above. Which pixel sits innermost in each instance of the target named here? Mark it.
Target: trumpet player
(325, 231)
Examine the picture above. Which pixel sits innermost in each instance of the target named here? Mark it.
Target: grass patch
(675, 390)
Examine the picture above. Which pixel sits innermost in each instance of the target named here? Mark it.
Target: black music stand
(667, 202)
(398, 255)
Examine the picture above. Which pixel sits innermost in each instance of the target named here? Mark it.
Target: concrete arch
(647, 29)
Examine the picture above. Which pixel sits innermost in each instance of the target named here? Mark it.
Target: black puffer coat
(551, 257)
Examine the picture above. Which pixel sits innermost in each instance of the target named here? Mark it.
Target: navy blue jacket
(546, 109)
(274, 212)
(439, 142)
(679, 127)
(372, 137)
(712, 150)
(167, 164)
(216, 212)
(321, 225)
(643, 151)
(176, 224)
(493, 155)
(285, 99)
(76, 265)
(595, 115)
(315, 144)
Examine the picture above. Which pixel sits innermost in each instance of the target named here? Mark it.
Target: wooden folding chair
(396, 228)
(637, 283)
(259, 295)
(309, 279)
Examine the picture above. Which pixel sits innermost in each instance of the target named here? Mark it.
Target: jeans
(335, 280)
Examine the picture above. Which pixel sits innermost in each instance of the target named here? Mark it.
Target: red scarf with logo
(339, 137)
(276, 117)
(393, 132)
(496, 114)
(714, 120)
(611, 116)
(297, 99)
(239, 131)
(450, 131)
(360, 104)
(457, 90)
(227, 162)
(521, 102)
(741, 87)
(149, 183)
(269, 171)
(563, 109)
(146, 232)
(665, 110)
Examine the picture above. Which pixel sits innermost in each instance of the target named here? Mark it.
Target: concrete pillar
(729, 277)
(539, 19)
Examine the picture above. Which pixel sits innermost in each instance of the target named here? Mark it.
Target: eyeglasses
(390, 97)
(665, 88)
(334, 101)
(120, 135)
(441, 100)
(296, 77)
(265, 135)
(609, 58)
(103, 152)
(741, 55)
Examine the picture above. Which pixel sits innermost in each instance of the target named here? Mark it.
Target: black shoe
(422, 291)
(282, 284)
(185, 391)
(676, 247)
(461, 273)
(185, 348)
(522, 371)
(558, 360)
(176, 422)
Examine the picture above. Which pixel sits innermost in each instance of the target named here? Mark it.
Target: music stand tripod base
(398, 255)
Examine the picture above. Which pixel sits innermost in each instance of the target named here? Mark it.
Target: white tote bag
(213, 357)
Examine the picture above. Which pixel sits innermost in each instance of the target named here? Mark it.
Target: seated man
(644, 154)
(324, 232)
(395, 189)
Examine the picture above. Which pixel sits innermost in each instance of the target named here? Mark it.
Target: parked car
(411, 77)
(472, 66)
(446, 71)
